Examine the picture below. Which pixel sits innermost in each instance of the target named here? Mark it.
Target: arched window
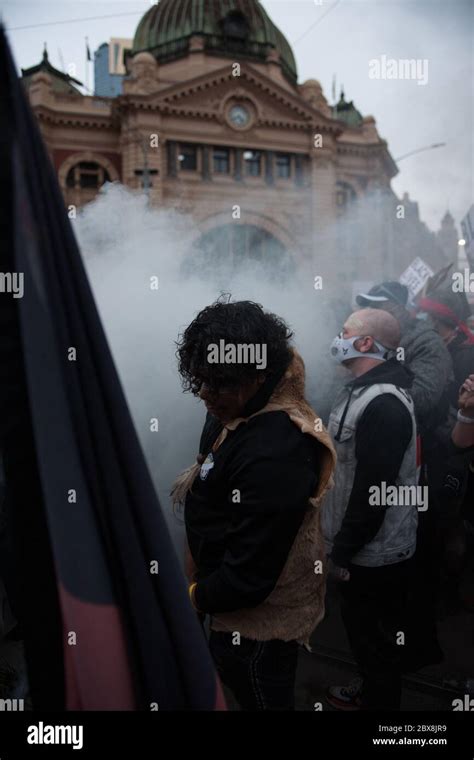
(86, 175)
(345, 196)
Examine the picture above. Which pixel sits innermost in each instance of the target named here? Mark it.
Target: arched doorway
(82, 175)
(228, 249)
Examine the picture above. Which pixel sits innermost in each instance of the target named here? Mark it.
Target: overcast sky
(333, 37)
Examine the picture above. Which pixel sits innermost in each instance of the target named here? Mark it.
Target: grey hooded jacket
(429, 360)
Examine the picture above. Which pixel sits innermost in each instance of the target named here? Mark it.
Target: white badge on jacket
(206, 466)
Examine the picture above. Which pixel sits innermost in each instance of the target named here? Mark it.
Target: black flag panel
(126, 636)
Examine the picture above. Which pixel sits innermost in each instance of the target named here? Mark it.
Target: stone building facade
(213, 121)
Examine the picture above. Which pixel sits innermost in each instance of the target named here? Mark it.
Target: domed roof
(229, 28)
(347, 112)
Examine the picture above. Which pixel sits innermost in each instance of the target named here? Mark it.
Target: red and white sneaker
(346, 697)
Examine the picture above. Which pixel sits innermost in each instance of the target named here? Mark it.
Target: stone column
(299, 169)
(171, 158)
(238, 164)
(206, 170)
(129, 151)
(377, 252)
(141, 143)
(269, 167)
(323, 207)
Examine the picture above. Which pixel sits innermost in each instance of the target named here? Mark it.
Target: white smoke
(125, 243)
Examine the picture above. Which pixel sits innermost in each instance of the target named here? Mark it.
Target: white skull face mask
(343, 349)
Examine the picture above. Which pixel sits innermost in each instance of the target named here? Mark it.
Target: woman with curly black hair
(252, 499)
(226, 325)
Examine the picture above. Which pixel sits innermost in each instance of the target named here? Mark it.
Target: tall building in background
(448, 238)
(209, 116)
(467, 227)
(109, 67)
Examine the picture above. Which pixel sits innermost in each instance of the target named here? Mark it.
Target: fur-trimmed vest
(296, 605)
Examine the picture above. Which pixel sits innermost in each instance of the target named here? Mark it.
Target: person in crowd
(371, 539)
(449, 474)
(448, 312)
(459, 483)
(463, 431)
(252, 500)
(426, 355)
(424, 352)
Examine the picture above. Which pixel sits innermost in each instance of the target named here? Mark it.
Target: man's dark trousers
(374, 611)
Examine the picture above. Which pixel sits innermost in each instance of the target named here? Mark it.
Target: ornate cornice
(88, 121)
(170, 101)
(369, 150)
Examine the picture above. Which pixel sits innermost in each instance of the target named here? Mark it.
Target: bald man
(369, 519)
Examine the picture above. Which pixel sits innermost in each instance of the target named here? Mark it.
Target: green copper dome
(229, 28)
(347, 112)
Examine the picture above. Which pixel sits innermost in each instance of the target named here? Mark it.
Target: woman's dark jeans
(260, 674)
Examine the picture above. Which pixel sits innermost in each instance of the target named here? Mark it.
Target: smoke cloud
(126, 246)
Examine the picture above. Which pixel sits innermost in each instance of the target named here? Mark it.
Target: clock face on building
(239, 116)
